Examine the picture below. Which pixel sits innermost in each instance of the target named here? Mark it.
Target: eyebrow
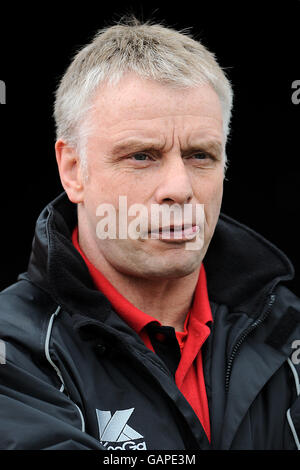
(134, 144)
(210, 145)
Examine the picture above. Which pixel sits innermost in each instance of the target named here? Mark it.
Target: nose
(174, 186)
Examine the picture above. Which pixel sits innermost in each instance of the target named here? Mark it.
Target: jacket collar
(241, 266)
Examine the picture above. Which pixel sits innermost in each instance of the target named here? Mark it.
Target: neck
(167, 300)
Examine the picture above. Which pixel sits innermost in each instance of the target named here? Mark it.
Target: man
(127, 331)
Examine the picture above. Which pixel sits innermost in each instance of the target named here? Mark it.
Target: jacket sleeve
(34, 413)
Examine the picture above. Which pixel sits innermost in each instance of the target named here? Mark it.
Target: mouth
(175, 234)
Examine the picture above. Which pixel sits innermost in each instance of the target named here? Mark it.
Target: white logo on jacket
(116, 434)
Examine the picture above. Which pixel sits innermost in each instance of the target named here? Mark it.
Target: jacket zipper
(244, 335)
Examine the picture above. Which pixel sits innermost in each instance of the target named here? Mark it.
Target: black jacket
(73, 375)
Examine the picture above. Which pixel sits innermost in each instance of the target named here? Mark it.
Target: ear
(70, 173)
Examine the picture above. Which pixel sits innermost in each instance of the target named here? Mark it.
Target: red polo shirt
(189, 376)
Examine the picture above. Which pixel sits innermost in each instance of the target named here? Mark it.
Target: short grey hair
(152, 51)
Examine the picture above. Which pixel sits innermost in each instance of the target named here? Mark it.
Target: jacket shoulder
(25, 311)
(287, 297)
(30, 389)
(284, 323)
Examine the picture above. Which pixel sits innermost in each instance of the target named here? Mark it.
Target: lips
(175, 233)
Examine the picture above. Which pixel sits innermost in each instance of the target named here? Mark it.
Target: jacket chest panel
(124, 407)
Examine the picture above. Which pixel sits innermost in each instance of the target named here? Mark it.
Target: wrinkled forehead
(145, 102)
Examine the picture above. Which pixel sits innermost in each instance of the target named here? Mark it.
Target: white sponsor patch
(113, 430)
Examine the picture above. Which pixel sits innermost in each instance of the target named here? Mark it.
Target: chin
(171, 270)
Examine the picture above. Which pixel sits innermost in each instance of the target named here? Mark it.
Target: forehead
(141, 105)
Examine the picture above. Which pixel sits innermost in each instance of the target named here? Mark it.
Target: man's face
(155, 145)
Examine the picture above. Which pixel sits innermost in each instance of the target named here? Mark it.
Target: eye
(201, 156)
(140, 156)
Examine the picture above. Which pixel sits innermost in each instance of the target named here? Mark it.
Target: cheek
(101, 187)
(217, 194)
(106, 190)
(209, 191)
(211, 196)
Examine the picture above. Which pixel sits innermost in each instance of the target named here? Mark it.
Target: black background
(258, 43)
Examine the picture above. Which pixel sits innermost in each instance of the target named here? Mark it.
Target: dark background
(258, 43)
